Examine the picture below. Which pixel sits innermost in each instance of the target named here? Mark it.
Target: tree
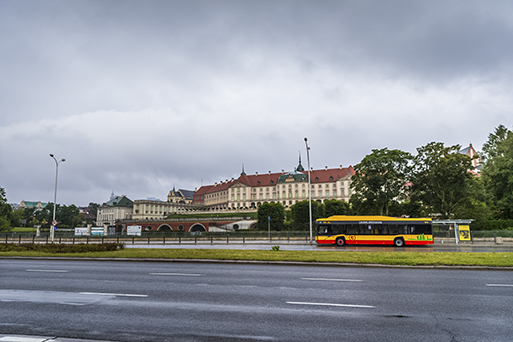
(68, 215)
(276, 211)
(491, 146)
(336, 207)
(5, 212)
(441, 179)
(380, 179)
(301, 214)
(497, 171)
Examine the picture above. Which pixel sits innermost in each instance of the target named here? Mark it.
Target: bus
(343, 230)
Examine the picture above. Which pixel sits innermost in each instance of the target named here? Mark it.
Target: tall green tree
(492, 145)
(5, 212)
(68, 215)
(301, 214)
(380, 179)
(336, 207)
(276, 211)
(497, 171)
(441, 180)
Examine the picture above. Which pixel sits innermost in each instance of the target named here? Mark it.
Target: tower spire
(300, 167)
(242, 173)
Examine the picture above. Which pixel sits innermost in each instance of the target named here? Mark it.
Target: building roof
(120, 201)
(31, 204)
(272, 179)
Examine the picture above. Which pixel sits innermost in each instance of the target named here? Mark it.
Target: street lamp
(55, 195)
(309, 188)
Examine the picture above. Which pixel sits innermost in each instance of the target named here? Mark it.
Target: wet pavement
(446, 245)
(26, 338)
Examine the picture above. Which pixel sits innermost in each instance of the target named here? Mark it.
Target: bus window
(397, 229)
(365, 229)
(422, 229)
(338, 229)
(351, 229)
(324, 230)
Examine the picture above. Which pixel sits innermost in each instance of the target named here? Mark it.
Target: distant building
(87, 213)
(249, 191)
(36, 205)
(118, 208)
(180, 196)
(178, 202)
(476, 161)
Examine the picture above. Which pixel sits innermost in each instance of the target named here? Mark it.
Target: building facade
(249, 191)
(118, 208)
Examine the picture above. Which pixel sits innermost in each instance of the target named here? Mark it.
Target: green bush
(492, 224)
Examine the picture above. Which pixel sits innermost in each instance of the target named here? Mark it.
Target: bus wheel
(340, 241)
(399, 242)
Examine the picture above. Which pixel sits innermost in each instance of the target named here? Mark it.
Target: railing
(160, 237)
(211, 237)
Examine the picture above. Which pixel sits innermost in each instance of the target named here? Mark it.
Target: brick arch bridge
(193, 225)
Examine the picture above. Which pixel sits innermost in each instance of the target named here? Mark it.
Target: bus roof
(369, 218)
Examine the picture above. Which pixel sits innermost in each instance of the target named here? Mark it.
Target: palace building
(249, 191)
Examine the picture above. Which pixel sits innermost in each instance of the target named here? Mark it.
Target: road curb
(270, 262)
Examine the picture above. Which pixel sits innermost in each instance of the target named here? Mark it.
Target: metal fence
(160, 237)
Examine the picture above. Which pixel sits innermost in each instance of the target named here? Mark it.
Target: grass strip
(386, 258)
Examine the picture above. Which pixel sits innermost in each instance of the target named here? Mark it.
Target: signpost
(133, 230)
(269, 226)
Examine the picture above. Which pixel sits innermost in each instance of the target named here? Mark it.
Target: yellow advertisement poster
(464, 233)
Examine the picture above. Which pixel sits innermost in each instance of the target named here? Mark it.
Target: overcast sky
(143, 96)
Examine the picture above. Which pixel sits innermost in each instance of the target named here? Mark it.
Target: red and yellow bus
(343, 230)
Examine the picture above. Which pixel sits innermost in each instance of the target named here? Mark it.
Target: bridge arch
(164, 228)
(197, 227)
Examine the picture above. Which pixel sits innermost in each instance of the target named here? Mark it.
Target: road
(138, 301)
(301, 246)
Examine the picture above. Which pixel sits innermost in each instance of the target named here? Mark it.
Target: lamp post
(309, 188)
(55, 195)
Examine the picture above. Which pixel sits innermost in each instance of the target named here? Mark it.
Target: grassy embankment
(386, 258)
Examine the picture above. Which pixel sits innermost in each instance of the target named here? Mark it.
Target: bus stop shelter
(460, 229)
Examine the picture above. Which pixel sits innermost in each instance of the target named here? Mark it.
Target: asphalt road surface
(142, 301)
(295, 246)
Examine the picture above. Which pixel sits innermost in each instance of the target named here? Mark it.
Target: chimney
(256, 173)
(326, 168)
(340, 167)
(269, 172)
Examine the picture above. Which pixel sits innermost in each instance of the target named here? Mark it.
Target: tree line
(67, 216)
(438, 182)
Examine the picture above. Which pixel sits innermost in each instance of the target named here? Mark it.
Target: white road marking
(23, 339)
(113, 294)
(506, 285)
(334, 304)
(178, 274)
(329, 279)
(50, 271)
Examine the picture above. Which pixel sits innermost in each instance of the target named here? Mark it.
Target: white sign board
(81, 231)
(133, 230)
(98, 231)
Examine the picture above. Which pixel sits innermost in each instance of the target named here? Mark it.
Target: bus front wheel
(399, 242)
(340, 241)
